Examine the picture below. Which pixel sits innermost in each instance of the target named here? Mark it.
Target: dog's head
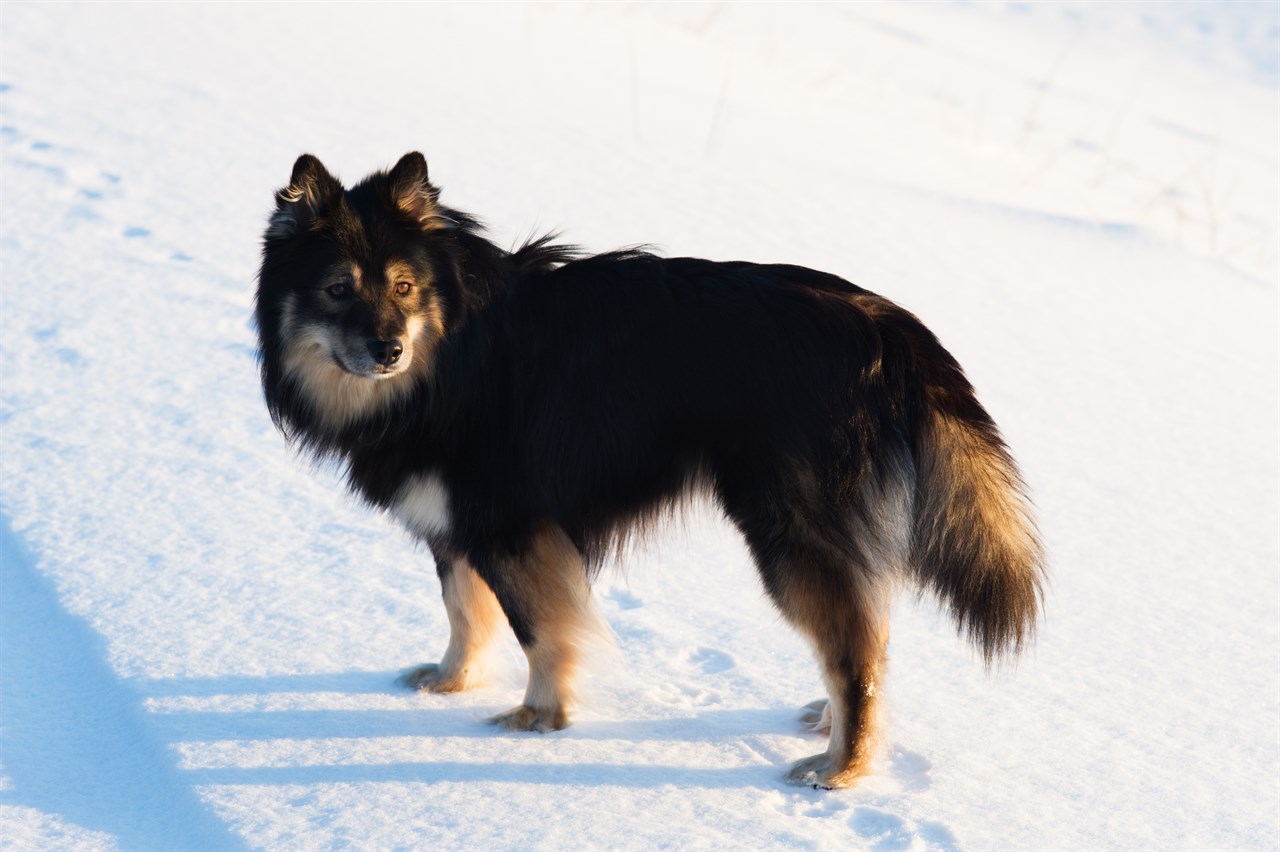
(349, 302)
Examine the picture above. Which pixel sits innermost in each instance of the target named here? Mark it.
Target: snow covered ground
(199, 635)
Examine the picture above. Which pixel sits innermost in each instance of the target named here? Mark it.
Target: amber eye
(403, 288)
(339, 290)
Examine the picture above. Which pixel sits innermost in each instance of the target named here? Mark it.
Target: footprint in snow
(707, 660)
(85, 182)
(910, 768)
(936, 835)
(624, 600)
(64, 354)
(83, 185)
(887, 832)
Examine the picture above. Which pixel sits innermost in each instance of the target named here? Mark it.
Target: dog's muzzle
(385, 352)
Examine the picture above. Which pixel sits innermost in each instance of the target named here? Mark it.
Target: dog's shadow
(287, 730)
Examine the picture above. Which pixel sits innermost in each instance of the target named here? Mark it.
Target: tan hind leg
(829, 546)
(846, 620)
(544, 591)
(474, 618)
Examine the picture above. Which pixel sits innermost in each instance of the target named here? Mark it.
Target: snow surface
(199, 635)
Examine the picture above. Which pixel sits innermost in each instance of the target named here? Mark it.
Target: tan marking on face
(342, 272)
(430, 317)
(339, 398)
(398, 270)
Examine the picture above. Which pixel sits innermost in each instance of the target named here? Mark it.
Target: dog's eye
(339, 290)
(403, 288)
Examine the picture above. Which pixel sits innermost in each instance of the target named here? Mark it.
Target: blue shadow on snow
(75, 741)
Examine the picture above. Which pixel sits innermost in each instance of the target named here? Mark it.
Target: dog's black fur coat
(592, 392)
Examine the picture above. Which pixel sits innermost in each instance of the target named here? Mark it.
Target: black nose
(385, 352)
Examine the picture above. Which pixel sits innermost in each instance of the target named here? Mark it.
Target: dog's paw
(526, 718)
(816, 717)
(432, 677)
(819, 773)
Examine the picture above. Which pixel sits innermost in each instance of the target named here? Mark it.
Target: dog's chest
(422, 505)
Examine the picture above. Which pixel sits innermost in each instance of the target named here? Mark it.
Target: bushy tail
(974, 542)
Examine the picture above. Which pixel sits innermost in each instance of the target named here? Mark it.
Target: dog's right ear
(298, 205)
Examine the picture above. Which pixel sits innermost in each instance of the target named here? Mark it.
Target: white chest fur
(423, 505)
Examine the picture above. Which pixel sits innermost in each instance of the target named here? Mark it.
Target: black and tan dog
(524, 412)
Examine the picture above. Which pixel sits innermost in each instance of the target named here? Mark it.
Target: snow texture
(200, 634)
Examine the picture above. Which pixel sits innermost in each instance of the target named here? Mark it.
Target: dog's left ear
(311, 192)
(412, 194)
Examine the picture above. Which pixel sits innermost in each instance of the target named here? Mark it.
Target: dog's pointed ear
(412, 193)
(311, 189)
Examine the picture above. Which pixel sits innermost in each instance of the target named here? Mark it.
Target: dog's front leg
(543, 589)
(474, 617)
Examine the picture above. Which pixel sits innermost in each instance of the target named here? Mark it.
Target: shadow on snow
(75, 741)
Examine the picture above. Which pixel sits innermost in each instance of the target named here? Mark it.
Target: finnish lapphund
(524, 413)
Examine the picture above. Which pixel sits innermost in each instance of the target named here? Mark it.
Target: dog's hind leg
(474, 618)
(543, 589)
(851, 650)
(839, 602)
(845, 617)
